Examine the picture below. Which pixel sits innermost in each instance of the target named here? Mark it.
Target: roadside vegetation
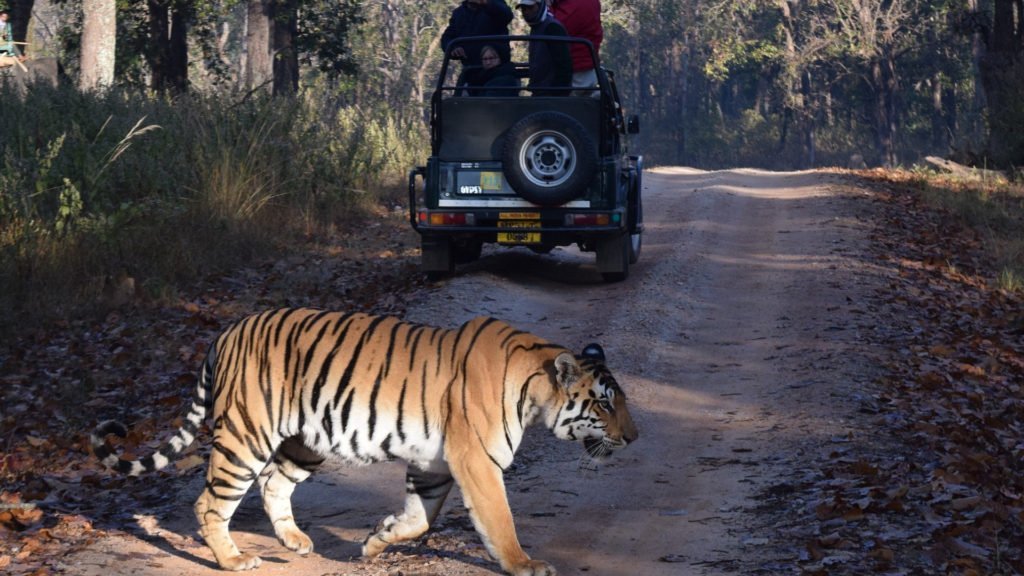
(103, 197)
(986, 203)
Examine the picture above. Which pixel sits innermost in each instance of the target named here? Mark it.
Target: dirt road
(737, 339)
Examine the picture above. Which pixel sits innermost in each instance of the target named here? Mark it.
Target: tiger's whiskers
(592, 455)
(587, 463)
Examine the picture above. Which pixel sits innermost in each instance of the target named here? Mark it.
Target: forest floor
(823, 379)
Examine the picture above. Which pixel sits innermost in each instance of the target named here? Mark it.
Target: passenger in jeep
(494, 74)
(582, 19)
(476, 18)
(550, 62)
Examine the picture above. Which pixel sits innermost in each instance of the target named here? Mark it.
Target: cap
(527, 3)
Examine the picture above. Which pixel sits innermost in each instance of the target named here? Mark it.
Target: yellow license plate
(518, 224)
(519, 237)
(519, 216)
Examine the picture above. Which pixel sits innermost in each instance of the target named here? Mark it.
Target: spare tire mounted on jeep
(549, 158)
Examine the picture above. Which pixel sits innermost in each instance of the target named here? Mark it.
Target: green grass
(97, 187)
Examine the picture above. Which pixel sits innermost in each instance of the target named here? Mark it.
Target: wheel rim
(547, 158)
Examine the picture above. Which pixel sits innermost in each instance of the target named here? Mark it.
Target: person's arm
(451, 32)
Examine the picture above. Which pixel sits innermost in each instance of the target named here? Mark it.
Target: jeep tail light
(446, 219)
(601, 219)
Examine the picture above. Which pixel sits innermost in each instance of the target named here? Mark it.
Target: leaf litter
(935, 486)
(935, 483)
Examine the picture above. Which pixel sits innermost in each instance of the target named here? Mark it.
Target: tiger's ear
(594, 350)
(567, 371)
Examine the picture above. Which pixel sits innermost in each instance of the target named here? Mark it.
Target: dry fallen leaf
(35, 441)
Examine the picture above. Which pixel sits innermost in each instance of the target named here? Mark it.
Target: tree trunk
(940, 141)
(1001, 66)
(41, 32)
(638, 78)
(99, 39)
(883, 80)
(641, 80)
(978, 101)
(168, 58)
(177, 65)
(684, 100)
(285, 58)
(259, 72)
(807, 121)
(158, 56)
(20, 19)
(421, 84)
(793, 100)
(892, 95)
(223, 57)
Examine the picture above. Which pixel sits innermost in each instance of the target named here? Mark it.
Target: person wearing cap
(550, 62)
(582, 19)
(476, 18)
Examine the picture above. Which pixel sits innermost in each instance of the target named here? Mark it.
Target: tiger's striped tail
(201, 404)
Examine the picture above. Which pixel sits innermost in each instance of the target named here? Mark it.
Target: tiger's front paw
(534, 568)
(243, 561)
(295, 540)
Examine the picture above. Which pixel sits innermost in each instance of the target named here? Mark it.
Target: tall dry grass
(94, 187)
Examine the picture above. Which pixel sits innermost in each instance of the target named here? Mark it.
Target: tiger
(287, 388)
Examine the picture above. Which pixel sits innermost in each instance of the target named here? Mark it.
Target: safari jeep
(539, 171)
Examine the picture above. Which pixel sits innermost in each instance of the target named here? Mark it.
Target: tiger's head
(594, 411)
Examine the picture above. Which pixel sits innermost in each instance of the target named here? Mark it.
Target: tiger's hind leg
(292, 463)
(425, 494)
(228, 478)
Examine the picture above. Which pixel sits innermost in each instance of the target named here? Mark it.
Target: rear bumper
(560, 225)
(489, 227)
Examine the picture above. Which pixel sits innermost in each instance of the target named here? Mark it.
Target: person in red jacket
(581, 18)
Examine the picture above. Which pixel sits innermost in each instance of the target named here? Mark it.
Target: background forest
(179, 122)
(771, 83)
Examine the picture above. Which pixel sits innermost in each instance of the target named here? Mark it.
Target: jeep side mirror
(633, 124)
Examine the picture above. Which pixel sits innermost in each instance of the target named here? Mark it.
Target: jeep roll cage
(608, 92)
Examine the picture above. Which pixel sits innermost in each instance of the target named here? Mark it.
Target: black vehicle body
(536, 170)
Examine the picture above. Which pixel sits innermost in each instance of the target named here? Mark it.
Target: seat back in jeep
(472, 128)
